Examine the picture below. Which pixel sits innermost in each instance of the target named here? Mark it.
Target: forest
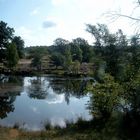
(113, 60)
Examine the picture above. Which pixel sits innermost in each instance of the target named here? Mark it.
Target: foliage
(36, 53)
(76, 52)
(6, 34)
(57, 59)
(36, 61)
(61, 46)
(12, 55)
(75, 67)
(132, 96)
(11, 47)
(68, 61)
(105, 97)
(87, 52)
(20, 45)
(33, 50)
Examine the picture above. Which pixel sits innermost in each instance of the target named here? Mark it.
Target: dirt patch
(13, 133)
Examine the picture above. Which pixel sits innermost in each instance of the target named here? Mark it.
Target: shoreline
(38, 73)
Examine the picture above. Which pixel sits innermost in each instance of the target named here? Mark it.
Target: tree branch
(126, 16)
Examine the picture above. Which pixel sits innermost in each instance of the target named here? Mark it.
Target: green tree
(57, 59)
(75, 67)
(131, 94)
(12, 55)
(76, 52)
(87, 52)
(106, 97)
(20, 45)
(61, 46)
(37, 61)
(68, 61)
(6, 35)
(109, 47)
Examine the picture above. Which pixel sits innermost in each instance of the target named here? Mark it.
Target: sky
(40, 22)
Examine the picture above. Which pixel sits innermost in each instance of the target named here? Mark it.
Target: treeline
(67, 55)
(111, 53)
(11, 46)
(116, 61)
(116, 94)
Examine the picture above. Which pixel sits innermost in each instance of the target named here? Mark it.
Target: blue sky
(40, 22)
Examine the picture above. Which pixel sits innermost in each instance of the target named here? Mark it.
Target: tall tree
(76, 52)
(85, 47)
(20, 45)
(68, 60)
(12, 55)
(57, 59)
(6, 35)
(61, 45)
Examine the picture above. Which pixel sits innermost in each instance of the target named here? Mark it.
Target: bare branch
(126, 16)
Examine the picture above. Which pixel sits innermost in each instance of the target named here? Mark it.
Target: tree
(6, 35)
(12, 55)
(135, 51)
(68, 60)
(36, 61)
(75, 67)
(100, 33)
(20, 45)
(87, 52)
(61, 45)
(105, 97)
(76, 52)
(57, 59)
(37, 89)
(109, 47)
(133, 16)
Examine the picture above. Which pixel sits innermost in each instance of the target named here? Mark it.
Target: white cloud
(25, 33)
(34, 109)
(34, 12)
(58, 2)
(70, 16)
(37, 36)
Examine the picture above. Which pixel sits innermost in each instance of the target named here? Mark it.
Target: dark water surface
(32, 102)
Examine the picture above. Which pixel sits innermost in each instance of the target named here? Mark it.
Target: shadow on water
(39, 87)
(33, 101)
(10, 87)
(119, 126)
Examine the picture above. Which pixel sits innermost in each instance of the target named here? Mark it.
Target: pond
(32, 102)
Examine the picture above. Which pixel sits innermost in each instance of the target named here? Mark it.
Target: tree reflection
(69, 86)
(75, 87)
(10, 87)
(6, 105)
(38, 88)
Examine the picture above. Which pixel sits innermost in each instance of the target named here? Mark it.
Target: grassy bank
(82, 130)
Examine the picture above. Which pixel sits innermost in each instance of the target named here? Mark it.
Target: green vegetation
(11, 47)
(12, 56)
(115, 62)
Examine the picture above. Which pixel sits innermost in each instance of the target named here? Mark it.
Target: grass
(96, 129)
(71, 132)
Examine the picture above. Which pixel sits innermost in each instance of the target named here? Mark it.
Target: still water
(32, 102)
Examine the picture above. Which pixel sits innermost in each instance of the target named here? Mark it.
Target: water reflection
(6, 105)
(10, 87)
(37, 88)
(44, 87)
(33, 101)
(69, 86)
